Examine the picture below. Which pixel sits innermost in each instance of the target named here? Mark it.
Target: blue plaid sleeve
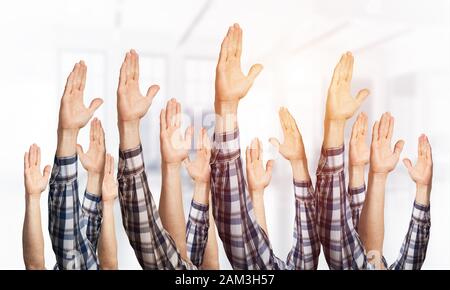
(67, 230)
(342, 246)
(92, 213)
(357, 197)
(197, 232)
(414, 247)
(305, 253)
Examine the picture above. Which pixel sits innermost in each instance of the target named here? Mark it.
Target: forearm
(107, 250)
(371, 224)
(260, 212)
(32, 237)
(423, 194)
(211, 255)
(356, 176)
(94, 183)
(201, 192)
(171, 205)
(226, 116)
(129, 133)
(67, 142)
(333, 133)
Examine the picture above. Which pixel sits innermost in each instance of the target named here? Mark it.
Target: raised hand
(200, 169)
(131, 104)
(73, 114)
(340, 104)
(94, 159)
(109, 185)
(258, 177)
(382, 158)
(292, 148)
(422, 172)
(359, 153)
(231, 83)
(174, 147)
(35, 181)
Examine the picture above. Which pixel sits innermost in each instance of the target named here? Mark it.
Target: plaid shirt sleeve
(357, 197)
(342, 246)
(153, 246)
(305, 255)
(67, 230)
(91, 212)
(197, 232)
(246, 245)
(414, 247)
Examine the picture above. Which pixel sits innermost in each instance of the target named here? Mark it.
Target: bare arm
(35, 184)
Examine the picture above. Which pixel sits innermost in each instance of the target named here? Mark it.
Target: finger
(421, 149)
(375, 130)
(200, 140)
(123, 72)
(239, 44)
(355, 128)
(349, 69)
(133, 63)
(248, 157)
(365, 124)
(254, 71)
(384, 124)
(260, 150)
(107, 164)
(77, 76)
(290, 120)
(361, 96)
(173, 112)
(83, 77)
(188, 135)
(128, 66)
(46, 172)
(69, 83)
(178, 115)
(95, 104)
(101, 134)
(136, 69)
(336, 79)
(169, 113)
(223, 51)
(275, 143)
(408, 164)
(282, 114)
(269, 168)
(33, 155)
(111, 164)
(151, 93)
(391, 128)
(230, 53)
(254, 149)
(26, 161)
(162, 120)
(38, 156)
(91, 131)
(234, 39)
(429, 150)
(399, 147)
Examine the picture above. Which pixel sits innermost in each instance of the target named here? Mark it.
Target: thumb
(151, 93)
(361, 96)
(269, 167)
(254, 72)
(399, 147)
(275, 143)
(188, 136)
(95, 104)
(47, 170)
(80, 151)
(408, 164)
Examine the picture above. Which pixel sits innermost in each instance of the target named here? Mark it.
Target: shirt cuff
(421, 214)
(357, 194)
(304, 190)
(131, 162)
(199, 214)
(226, 146)
(92, 204)
(64, 169)
(331, 161)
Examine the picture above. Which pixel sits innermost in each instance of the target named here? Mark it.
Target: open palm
(422, 172)
(199, 169)
(35, 181)
(109, 185)
(94, 159)
(258, 177)
(73, 114)
(359, 153)
(131, 104)
(231, 83)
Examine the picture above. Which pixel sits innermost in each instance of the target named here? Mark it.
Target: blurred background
(402, 54)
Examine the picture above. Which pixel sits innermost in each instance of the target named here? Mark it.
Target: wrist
(334, 133)
(356, 175)
(300, 170)
(171, 166)
(32, 197)
(67, 142)
(94, 183)
(201, 192)
(129, 134)
(257, 193)
(108, 203)
(423, 194)
(381, 176)
(226, 107)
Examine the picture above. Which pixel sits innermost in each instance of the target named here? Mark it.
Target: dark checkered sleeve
(342, 246)
(91, 212)
(357, 196)
(197, 232)
(67, 226)
(414, 247)
(305, 256)
(246, 245)
(153, 246)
